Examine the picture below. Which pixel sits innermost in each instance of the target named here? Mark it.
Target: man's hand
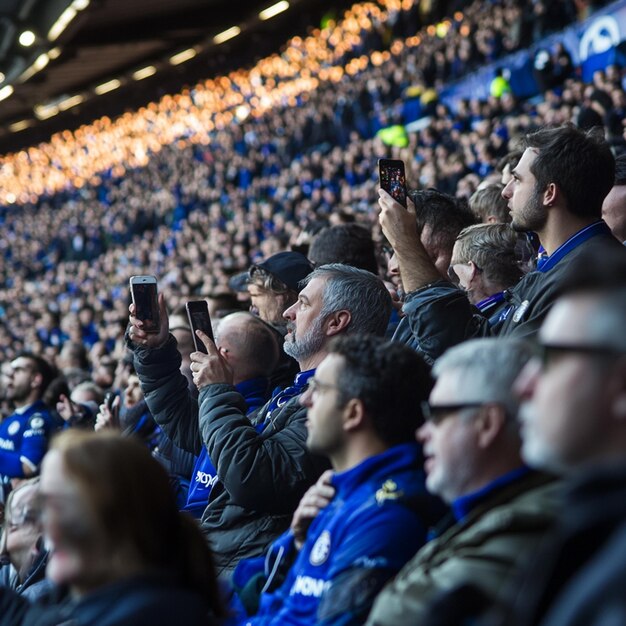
(400, 228)
(151, 340)
(211, 367)
(314, 500)
(108, 417)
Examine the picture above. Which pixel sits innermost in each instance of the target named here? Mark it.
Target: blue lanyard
(545, 264)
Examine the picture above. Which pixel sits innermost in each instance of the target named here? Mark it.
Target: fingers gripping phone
(199, 319)
(393, 179)
(143, 290)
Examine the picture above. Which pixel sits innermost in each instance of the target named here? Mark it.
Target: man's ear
(337, 322)
(489, 424)
(550, 194)
(36, 381)
(353, 415)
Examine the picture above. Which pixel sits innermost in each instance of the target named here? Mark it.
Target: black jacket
(440, 316)
(263, 471)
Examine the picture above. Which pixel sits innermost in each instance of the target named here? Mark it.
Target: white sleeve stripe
(28, 463)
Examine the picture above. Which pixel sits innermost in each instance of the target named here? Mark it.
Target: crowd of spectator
(222, 192)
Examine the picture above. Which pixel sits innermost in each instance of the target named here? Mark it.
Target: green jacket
(484, 549)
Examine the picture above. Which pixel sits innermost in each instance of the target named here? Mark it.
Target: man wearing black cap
(273, 286)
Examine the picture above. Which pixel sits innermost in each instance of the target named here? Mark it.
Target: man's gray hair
(487, 369)
(355, 290)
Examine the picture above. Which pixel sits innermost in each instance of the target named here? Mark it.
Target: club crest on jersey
(389, 491)
(321, 549)
(13, 427)
(37, 422)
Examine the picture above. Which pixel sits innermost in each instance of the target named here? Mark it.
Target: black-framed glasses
(453, 276)
(437, 413)
(548, 352)
(315, 386)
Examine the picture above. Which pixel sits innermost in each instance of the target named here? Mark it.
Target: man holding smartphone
(262, 462)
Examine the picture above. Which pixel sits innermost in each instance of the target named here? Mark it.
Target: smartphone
(393, 179)
(199, 319)
(109, 398)
(143, 291)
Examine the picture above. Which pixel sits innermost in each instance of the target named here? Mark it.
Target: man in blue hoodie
(362, 414)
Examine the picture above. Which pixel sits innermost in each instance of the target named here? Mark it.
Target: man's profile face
(450, 447)
(324, 416)
(524, 199)
(20, 379)
(564, 404)
(267, 304)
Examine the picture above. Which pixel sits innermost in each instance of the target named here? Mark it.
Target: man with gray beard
(262, 462)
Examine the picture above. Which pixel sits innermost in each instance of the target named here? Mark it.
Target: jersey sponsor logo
(205, 479)
(7, 444)
(520, 311)
(308, 586)
(37, 422)
(13, 427)
(321, 549)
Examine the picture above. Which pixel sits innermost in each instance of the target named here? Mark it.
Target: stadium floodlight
(40, 62)
(27, 38)
(2, 77)
(183, 56)
(70, 102)
(108, 86)
(274, 10)
(5, 92)
(144, 72)
(45, 111)
(63, 21)
(21, 125)
(225, 35)
(54, 53)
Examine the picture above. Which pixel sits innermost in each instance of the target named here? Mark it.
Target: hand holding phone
(393, 179)
(199, 319)
(143, 291)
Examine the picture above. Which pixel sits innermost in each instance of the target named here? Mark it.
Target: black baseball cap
(289, 267)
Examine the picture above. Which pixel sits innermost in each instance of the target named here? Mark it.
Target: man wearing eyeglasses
(574, 422)
(501, 508)
(362, 415)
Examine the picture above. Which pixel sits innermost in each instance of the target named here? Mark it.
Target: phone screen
(393, 179)
(144, 294)
(199, 319)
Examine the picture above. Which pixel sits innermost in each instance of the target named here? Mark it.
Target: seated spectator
(574, 405)
(501, 508)
(614, 205)
(557, 191)
(21, 546)
(262, 462)
(489, 206)
(24, 434)
(486, 260)
(350, 244)
(119, 551)
(363, 416)
(438, 219)
(250, 347)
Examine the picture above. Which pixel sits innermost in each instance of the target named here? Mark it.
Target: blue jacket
(377, 520)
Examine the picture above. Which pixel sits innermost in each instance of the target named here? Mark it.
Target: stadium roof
(101, 62)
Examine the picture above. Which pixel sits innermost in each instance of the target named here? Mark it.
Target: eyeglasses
(438, 413)
(453, 276)
(315, 386)
(548, 352)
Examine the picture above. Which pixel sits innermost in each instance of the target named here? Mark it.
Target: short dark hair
(580, 163)
(40, 366)
(446, 215)
(350, 244)
(389, 378)
(510, 158)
